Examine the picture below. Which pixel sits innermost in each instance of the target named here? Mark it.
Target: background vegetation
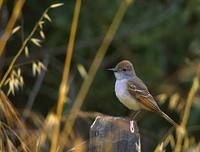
(160, 37)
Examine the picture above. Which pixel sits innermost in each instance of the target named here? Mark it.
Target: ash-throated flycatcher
(132, 92)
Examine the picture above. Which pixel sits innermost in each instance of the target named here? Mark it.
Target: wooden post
(114, 134)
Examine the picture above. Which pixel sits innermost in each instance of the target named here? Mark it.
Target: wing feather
(138, 89)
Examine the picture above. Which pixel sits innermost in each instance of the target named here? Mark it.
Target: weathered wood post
(114, 134)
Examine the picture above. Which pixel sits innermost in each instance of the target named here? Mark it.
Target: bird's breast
(124, 96)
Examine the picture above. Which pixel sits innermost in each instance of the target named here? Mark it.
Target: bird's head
(123, 70)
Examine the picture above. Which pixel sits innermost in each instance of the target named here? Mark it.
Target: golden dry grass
(49, 136)
(10, 25)
(64, 85)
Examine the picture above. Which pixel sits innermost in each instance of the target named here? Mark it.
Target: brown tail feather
(169, 119)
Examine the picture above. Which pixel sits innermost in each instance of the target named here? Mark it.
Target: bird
(132, 91)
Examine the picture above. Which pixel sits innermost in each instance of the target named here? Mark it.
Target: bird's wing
(139, 90)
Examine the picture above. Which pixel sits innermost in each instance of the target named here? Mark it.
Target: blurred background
(160, 37)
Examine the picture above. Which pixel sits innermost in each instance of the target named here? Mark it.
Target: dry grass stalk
(94, 67)
(11, 127)
(37, 26)
(1, 2)
(79, 145)
(64, 83)
(11, 115)
(64, 86)
(10, 25)
(181, 130)
(181, 136)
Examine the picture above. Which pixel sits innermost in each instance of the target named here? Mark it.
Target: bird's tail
(168, 119)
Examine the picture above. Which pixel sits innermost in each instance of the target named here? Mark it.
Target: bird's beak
(112, 69)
